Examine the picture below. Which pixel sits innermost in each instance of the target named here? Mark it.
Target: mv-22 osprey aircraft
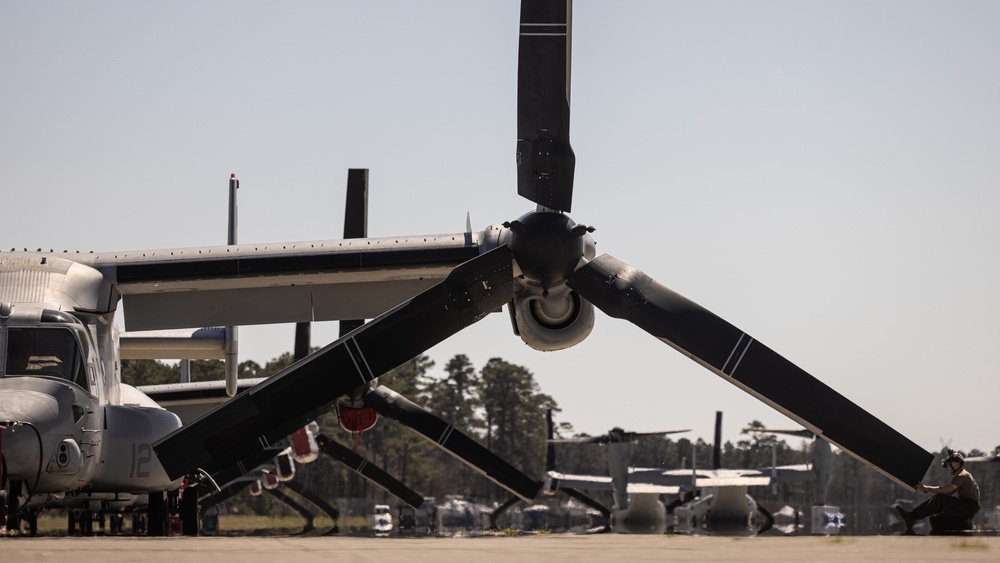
(77, 437)
(60, 349)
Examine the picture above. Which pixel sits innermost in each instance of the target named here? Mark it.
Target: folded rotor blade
(369, 471)
(392, 405)
(545, 159)
(624, 292)
(288, 501)
(227, 492)
(290, 399)
(245, 465)
(313, 498)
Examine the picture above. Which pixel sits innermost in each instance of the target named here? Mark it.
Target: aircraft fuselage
(67, 424)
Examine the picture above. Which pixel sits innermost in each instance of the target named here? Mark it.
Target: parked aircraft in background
(712, 500)
(637, 505)
(987, 458)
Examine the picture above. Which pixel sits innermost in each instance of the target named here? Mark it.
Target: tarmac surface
(548, 548)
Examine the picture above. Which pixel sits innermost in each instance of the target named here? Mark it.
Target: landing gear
(156, 522)
(116, 523)
(139, 524)
(768, 522)
(82, 523)
(189, 511)
(173, 514)
(10, 507)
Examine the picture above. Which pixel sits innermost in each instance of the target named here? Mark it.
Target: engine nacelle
(304, 444)
(284, 466)
(269, 480)
(354, 419)
(552, 321)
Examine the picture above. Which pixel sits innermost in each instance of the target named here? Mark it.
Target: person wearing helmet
(955, 503)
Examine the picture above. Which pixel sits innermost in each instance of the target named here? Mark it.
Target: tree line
(502, 407)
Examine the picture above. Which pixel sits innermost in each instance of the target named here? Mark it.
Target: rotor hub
(547, 246)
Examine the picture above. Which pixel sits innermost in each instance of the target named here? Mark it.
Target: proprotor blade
(314, 498)
(545, 159)
(355, 222)
(295, 396)
(369, 471)
(288, 501)
(244, 466)
(392, 405)
(356, 206)
(624, 292)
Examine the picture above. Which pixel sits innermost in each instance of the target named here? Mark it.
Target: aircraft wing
(647, 488)
(251, 284)
(599, 483)
(702, 478)
(983, 458)
(191, 400)
(791, 473)
(733, 481)
(593, 482)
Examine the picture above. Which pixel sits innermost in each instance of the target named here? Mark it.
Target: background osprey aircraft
(708, 500)
(716, 500)
(637, 505)
(422, 289)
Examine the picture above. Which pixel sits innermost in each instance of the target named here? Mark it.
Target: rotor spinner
(548, 246)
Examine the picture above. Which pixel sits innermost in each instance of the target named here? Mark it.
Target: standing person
(957, 502)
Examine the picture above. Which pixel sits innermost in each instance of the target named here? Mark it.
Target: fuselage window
(45, 352)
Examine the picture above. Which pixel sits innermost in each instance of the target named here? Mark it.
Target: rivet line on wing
(736, 355)
(263, 441)
(446, 434)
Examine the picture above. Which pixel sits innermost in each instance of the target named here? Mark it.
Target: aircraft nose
(25, 417)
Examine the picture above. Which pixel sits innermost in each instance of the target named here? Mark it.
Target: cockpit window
(45, 351)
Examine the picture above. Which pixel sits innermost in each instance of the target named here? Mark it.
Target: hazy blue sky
(824, 175)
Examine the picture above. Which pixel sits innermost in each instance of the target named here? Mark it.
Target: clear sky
(823, 175)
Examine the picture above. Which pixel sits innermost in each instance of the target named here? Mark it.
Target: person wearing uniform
(953, 505)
